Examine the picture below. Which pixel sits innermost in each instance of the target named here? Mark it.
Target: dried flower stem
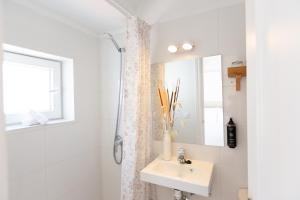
(168, 104)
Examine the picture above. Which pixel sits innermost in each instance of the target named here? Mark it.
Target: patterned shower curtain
(136, 121)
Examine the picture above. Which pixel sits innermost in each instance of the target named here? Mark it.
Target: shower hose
(118, 140)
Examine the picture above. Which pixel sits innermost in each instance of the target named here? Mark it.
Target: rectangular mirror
(199, 117)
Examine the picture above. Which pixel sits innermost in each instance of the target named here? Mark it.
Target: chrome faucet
(180, 155)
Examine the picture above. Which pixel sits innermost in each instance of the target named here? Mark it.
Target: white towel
(34, 118)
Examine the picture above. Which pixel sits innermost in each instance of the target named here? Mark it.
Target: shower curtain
(136, 121)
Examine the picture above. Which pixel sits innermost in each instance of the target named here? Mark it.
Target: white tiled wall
(216, 32)
(60, 161)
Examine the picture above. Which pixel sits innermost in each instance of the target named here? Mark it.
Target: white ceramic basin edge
(195, 178)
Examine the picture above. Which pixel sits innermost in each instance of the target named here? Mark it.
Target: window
(31, 83)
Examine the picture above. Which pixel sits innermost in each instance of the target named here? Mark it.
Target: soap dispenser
(231, 134)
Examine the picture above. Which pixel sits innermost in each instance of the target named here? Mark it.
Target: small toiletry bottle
(231, 134)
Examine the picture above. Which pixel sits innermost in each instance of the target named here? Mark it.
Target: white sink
(193, 178)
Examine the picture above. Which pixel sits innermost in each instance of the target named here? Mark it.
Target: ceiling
(100, 16)
(156, 11)
(97, 16)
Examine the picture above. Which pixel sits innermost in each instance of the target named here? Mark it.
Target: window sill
(52, 122)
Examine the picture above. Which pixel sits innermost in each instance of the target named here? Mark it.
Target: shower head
(107, 35)
(110, 37)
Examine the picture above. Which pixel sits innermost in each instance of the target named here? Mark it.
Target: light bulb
(172, 49)
(187, 46)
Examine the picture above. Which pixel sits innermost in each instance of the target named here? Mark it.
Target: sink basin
(193, 178)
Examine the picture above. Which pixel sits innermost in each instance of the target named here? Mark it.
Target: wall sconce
(172, 49)
(185, 47)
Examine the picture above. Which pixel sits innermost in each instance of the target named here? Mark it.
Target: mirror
(199, 117)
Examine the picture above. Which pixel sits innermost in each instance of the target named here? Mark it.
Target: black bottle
(231, 134)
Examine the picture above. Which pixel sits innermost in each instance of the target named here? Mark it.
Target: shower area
(81, 158)
(110, 171)
(129, 81)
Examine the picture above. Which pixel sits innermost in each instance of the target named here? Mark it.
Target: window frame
(56, 84)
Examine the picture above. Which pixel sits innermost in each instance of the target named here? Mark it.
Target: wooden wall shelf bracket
(238, 73)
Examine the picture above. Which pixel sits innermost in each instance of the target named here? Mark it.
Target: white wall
(3, 160)
(273, 95)
(217, 32)
(62, 161)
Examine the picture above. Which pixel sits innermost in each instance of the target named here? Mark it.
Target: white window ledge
(52, 122)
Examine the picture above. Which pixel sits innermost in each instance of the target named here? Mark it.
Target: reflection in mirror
(199, 119)
(213, 101)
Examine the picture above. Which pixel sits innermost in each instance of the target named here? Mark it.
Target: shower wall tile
(26, 152)
(57, 139)
(92, 135)
(111, 173)
(59, 179)
(29, 186)
(79, 175)
(109, 102)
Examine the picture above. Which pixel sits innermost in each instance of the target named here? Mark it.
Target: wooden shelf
(238, 73)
